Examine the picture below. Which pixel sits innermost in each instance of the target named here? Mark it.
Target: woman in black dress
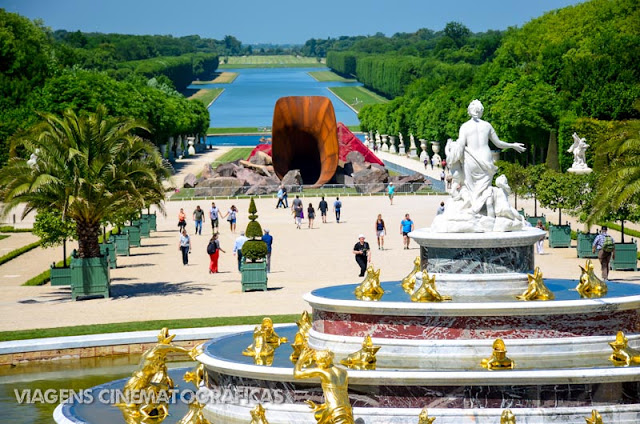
(311, 215)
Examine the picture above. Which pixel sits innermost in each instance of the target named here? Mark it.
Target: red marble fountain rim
(515, 308)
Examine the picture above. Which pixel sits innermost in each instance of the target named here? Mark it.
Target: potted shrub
(626, 256)
(533, 175)
(54, 230)
(558, 191)
(254, 254)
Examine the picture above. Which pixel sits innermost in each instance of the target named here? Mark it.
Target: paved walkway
(153, 284)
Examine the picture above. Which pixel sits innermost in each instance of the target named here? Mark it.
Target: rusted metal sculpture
(305, 138)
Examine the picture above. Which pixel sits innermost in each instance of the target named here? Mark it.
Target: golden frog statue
(428, 291)
(590, 285)
(258, 415)
(499, 359)
(261, 351)
(507, 417)
(365, 358)
(536, 290)
(595, 418)
(370, 288)
(623, 355)
(409, 282)
(424, 418)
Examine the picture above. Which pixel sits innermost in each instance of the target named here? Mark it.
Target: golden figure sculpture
(195, 416)
(304, 324)
(299, 343)
(424, 418)
(499, 359)
(536, 289)
(590, 285)
(507, 417)
(258, 415)
(370, 288)
(270, 334)
(409, 282)
(365, 358)
(261, 351)
(595, 418)
(334, 382)
(623, 355)
(428, 291)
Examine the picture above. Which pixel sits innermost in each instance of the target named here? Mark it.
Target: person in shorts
(324, 207)
(406, 226)
(214, 214)
(380, 231)
(392, 191)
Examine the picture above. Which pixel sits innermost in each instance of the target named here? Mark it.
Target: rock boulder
(227, 169)
(190, 181)
(370, 180)
(220, 186)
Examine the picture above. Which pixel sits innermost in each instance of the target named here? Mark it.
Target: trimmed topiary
(254, 249)
(254, 230)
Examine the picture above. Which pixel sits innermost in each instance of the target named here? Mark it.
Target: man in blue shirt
(268, 239)
(606, 248)
(406, 226)
(237, 248)
(337, 206)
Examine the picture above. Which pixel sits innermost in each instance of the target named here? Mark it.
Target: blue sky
(278, 21)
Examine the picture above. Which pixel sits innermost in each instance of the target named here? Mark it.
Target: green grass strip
(4, 236)
(45, 276)
(328, 76)
(238, 130)
(271, 65)
(357, 97)
(234, 154)
(207, 95)
(81, 330)
(10, 229)
(15, 253)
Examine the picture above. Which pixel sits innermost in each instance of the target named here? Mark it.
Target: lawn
(234, 154)
(238, 130)
(221, 78)
(285, 61)
(207, 96)
(3, 236)
(328, 76)
(357, 97)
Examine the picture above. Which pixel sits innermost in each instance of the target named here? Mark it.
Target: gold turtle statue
(301, 338)
(424, 418)
(536, 289)
(428, 291)
(595, 418)
(590, 285)
(623, 355)
(499, 359)
(334, 380)
(258, 415)
(507, 417)
(370, 288)
(365, 358)
(409, 282)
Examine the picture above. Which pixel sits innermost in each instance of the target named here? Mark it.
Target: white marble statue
(412, 146)
(579, 148)
(476, 206)
(33, 159)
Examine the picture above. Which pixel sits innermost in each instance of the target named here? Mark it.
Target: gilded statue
(595, 418)
(590, 285)
(623, 355)
(365, 358)
(424, 418)
(261, 351)
(302, 336)
(499, 359)
(536, 290)
(195, 416)
(428, 291)
(409, 282)
(370, 288)
(334, 381)
(507, 417)
(258, 415)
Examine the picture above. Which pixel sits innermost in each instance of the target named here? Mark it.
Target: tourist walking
(426, 162)
(280, 198)
(406, 226)
(381, 230)
(285, 197)
(296, 210)
(213, 249)
(182, 221)
(540, 243)
(442, 176)
(214, 214)
(391, 191)
(237, 248)
(198, 219)
(606, 248)
(268, 239)
(311, 215)
(337, 206)
(184, 246)
(362, 253)
(324, 207)
(232, 215)
(440, 209)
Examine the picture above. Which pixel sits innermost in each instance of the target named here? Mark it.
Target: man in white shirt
(237, 248)
(213, 215)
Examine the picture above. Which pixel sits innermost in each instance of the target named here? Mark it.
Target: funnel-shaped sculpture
(305, 138)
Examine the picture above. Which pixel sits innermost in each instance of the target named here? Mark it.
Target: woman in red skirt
(214, 252)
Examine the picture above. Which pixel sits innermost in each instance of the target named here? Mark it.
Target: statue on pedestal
(412, 147)
(579, 148)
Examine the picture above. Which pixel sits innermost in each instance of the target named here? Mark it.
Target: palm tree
(87, 167)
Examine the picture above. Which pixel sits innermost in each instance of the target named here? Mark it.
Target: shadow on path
(156, 289)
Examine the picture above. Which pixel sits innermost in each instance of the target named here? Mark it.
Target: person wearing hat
(268, 239)
(363, 254)
(392, 190)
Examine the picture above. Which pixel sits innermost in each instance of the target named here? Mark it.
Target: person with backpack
(606, 248)
(213, 250)
(337, 206)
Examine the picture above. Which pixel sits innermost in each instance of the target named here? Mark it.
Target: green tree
(533, 175)
(88, 168)
(516, 176)
(53, 230)
(559, 191)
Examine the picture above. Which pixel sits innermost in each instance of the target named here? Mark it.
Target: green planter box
(585, 243)
(254, 276)
(521, 212)
(134, 235)
(626, 256)
(109, 249)
(153, 225)
(143, 224)
(533, 220)
(90, 277)
(121, 241)
(60, 276)
(559, 235)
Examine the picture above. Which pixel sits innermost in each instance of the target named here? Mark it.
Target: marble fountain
(474, 330)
